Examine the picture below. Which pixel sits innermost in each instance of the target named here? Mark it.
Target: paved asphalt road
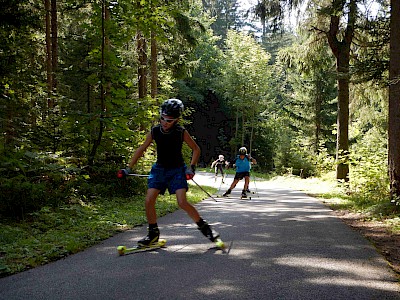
(282, 243)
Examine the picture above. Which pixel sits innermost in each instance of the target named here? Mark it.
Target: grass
(54, 233)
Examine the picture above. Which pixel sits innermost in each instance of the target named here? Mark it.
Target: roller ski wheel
(222, 196)
(219, 243)
(123, 250)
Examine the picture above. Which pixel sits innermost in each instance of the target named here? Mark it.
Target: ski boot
(208, 232)
(227, 193)
(248, 190)
(244, 195)
(151, 238)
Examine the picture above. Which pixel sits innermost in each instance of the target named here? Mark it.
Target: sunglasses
(167, 120)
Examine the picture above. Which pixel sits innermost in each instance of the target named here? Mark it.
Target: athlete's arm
(139, 151)
(192, 144)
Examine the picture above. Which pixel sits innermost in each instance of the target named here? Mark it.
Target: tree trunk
(48, 53)
(54, 45)
(154, 71)
(104, 86)
(253, 121)
(142, 69)
(394, 102)
(251, 137)
(342, 141)
(233, 147)
(341, 50)
(318, 105)
(243, 129)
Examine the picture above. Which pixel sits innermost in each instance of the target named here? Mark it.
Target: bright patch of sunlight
(357, 273)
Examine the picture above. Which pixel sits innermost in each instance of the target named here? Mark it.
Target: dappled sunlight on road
(328, 271)
(219, 287)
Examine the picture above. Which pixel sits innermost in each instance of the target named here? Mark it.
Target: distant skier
(219, 165)
(242, 162)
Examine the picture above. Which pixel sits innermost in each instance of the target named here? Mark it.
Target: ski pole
(204, 190)
(125, 172)
(254, 179)
(224, 177)
(138, 175)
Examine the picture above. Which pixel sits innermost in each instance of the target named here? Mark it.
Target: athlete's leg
(153, 233)
(246, 183)
(234, 183)
(186, 206)
(150, 205)
(203, 226)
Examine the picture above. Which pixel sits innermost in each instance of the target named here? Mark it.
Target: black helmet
(243, 151)
(172, 107)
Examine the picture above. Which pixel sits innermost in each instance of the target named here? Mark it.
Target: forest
(309, 87)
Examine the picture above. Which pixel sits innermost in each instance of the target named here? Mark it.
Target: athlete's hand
(123, 172)
(190, 172)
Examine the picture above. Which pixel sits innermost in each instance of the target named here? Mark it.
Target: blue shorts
(161, 178)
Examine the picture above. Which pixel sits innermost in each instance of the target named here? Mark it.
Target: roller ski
(212, 235)
(219, 243)
(244, 195)
(150, 242)
(123, 250)
(250, 192)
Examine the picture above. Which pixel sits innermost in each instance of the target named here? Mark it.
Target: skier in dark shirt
(169, 171)
(219, 165)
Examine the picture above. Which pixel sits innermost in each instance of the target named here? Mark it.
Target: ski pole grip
(123, 172)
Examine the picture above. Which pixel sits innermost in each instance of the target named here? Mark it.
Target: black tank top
(169, 146)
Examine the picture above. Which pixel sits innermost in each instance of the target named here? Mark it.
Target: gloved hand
(123, 172)
(190, 172)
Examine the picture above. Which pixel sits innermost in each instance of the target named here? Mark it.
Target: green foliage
(245, 84)
(293, 156)
(370, 180)
(324, 162)
(30, 181)
(368, 153)
(372, 50)
(264, 147)
(225, 15)
(21, 66)
(312, 97)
